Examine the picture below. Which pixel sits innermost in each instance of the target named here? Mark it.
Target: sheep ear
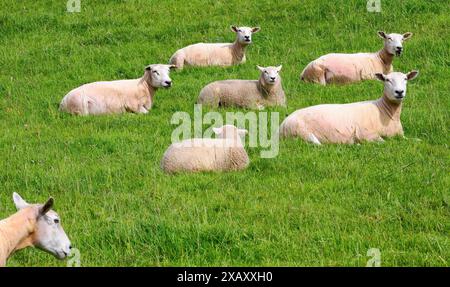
(19, 202)
(234, 28)
(412, 75)
(242, 132)
(380, 77)
(382, 34)
(407, 36)
(217, 131)
(256, 29)
(47, 206)
(260, 68)
(148, 68)
(279, 68)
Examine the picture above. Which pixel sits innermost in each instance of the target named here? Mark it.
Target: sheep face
(395, 84)
(48, 234)
(159, 75)
(393, 43)
(270, 75)
(244, 34)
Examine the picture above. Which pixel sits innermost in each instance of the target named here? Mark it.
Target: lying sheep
(217, 54)
(121, 96)
(267, 91)
(355, 122)
(33, 225)
(225, 153)
(348, 68)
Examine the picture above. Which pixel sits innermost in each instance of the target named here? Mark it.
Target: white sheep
(355, 122)
(33, 225)
(348, 68)
(118, 96)
(216, 54)
(225, 153)
(267, 91)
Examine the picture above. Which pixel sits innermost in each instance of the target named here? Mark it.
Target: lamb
(216, 54)
(33, 225)
(349, 68)
(267, 91)
(121, 96)
(355, 122)
(225, 153)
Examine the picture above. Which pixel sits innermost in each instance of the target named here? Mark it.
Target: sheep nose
(399, 48)
(399, 92)
(168, 83)
(272, 78)
(70, 247)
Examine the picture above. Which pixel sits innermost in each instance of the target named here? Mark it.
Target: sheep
(216, 54)
(355, 122)
(349, 68)
(33, 225)
(225, 153)
(120, 96)
(267, 91)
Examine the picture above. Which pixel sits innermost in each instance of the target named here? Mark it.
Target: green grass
(310, 205)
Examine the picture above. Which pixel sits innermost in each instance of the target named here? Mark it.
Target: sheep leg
(327, 77)
(379, 140)
(313, 139)
(321, 76)
(142, 110)
(134, 108)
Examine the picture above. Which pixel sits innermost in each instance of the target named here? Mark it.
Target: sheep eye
(56, 221)
(156, 72)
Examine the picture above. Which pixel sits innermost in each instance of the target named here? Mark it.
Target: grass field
(310, 205)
